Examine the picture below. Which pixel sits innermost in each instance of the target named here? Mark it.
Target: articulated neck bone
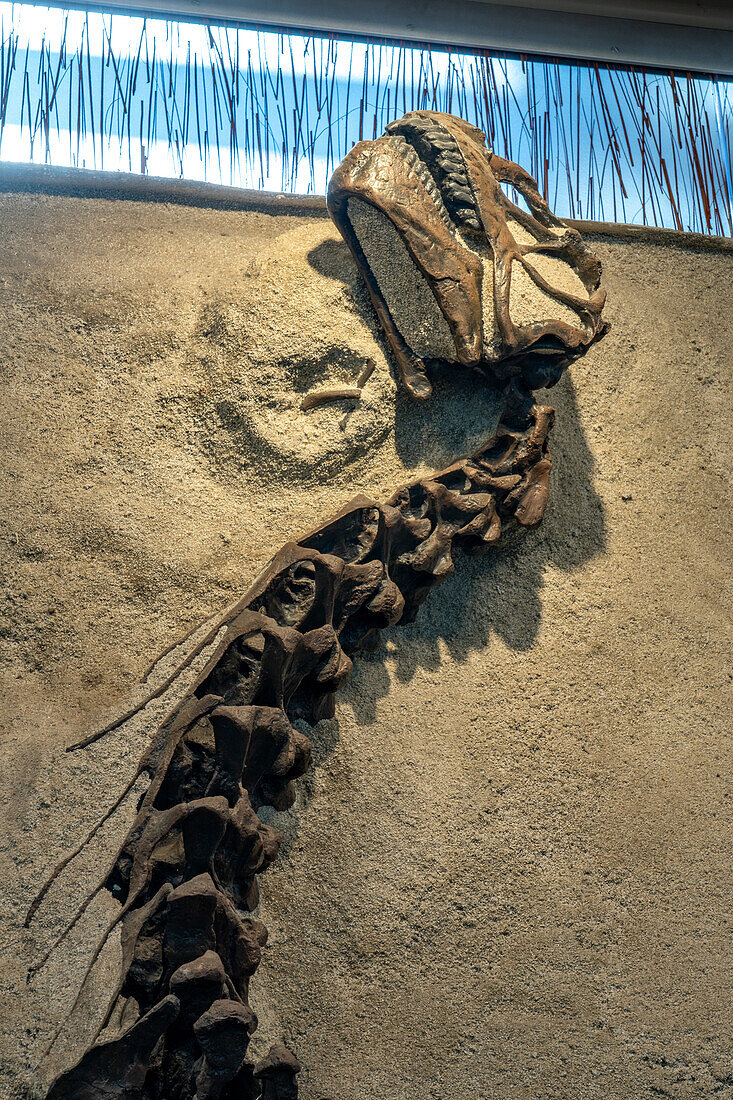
(186, 874)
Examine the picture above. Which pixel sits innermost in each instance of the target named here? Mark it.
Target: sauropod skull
(457, 272)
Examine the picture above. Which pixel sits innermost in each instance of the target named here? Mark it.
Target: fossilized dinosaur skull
(457, 272)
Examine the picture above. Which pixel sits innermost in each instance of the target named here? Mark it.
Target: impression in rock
(460, 277)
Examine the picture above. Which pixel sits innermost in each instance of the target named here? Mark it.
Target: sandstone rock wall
(508, 874)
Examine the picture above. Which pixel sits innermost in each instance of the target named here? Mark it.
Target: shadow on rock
(333, 259)
(465, 407)
(500, 593)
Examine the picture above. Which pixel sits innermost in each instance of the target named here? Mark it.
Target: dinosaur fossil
(422, 204)
(424, 214)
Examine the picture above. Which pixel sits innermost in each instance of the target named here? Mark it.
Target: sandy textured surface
(509, 873)
(410, 300)
(412, 303)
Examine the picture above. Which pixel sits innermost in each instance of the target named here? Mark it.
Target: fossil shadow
(499, 593)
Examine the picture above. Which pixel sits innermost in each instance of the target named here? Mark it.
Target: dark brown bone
(118, 1069)
(277, 1073)
(188, 866)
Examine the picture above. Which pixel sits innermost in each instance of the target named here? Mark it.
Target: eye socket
(515, 196)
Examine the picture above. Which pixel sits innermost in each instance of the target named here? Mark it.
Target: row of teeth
(413, 161)
(448, 166)
(455, 184)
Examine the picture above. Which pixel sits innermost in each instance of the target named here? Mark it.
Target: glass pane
(266, 110)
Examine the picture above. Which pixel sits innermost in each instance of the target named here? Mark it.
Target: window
(259, 109)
